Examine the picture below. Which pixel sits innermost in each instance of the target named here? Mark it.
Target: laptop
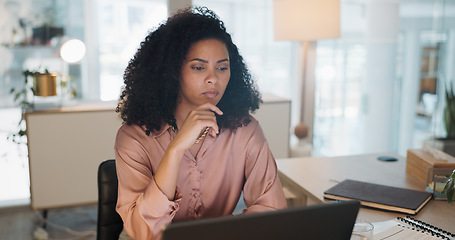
(334, 220)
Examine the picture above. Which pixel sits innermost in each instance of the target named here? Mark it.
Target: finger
(200, 120)
(209, 121)
(210, 107)
(211, 124)
(213, 132)
(208, 131)
(203, 113)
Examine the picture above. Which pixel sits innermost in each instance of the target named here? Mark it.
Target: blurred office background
(378, 88)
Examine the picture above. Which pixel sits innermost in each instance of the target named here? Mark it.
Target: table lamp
(306, 21)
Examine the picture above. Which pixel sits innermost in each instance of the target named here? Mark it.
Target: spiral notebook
(410, 228)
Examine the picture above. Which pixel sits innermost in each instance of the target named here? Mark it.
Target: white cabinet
(65, 148)
(274, 115)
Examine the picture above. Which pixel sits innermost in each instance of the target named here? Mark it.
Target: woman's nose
(211, 77)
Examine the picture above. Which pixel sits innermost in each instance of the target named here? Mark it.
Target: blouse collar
(160, 132)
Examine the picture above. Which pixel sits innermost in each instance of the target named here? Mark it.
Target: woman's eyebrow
(205, 61)
(223, 60)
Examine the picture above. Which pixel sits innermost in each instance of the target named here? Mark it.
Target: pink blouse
(208, 186)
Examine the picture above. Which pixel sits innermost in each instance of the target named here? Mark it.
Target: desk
(308, 178)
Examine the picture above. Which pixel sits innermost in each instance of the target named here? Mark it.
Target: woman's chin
(213, 101)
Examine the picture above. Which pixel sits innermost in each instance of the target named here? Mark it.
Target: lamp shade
(306, 20)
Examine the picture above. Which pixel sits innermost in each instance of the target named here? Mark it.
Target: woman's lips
(211, 93)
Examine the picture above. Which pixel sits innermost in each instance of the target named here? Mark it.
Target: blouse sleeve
(144, 208)
(262, 189)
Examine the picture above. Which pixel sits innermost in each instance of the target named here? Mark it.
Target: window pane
(122, 26)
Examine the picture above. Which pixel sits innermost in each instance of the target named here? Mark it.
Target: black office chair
(109, 223)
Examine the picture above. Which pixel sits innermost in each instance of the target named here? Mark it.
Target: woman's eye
(223, 67)
(198, 68)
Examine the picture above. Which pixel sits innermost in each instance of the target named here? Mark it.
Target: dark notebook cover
(380, 196)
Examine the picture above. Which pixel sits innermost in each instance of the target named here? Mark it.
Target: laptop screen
(333, 220)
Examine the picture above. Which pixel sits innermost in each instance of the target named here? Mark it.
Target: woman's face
(205, 73)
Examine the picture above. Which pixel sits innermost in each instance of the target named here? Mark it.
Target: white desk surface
(314, 175)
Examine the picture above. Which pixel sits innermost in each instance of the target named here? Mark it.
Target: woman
(189, 147)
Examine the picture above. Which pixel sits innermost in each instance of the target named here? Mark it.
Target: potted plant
(23, 98)
(449, 112)
(448, 142)
(449, 188)
(449, 121)
(37, 83)
(444, 122)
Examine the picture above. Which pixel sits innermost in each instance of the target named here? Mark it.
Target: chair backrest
(109, 223)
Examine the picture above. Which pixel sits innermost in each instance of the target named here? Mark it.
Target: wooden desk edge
(302, 195)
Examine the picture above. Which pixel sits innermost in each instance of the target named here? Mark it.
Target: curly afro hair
(149, 97)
